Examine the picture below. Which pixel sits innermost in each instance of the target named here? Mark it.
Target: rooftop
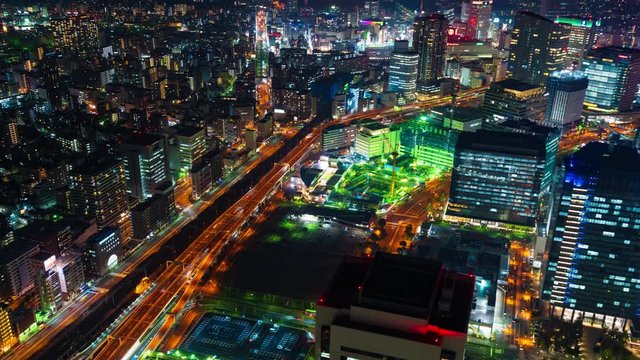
(404, 285)
(514, 143)
(140, 139)
(189, 131)
(513, 84)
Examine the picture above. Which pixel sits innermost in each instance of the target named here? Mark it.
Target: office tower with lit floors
(514, 99)
(566, 91)
(145, 163)
(477, 15)
(394, 307)
(430, 42)
(593, 269)
(403, 68)
(538, 48)
(582, 35)
(99, 190)
(498, 177)
(614, 75)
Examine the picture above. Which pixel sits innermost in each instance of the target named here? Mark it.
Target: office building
(497, 178)
(430, 42)
(566, 91)
(514, 99)
(191, 147)
(338, 137)
(593, 271)
(403, 72)
(538, 48)
(145, 163)
(47, 281)
(99, 190)
(76, 35)
(561, 8)
(103, 251)
(16, 273)
(374, 140)
(477, 15)
(231, 129)
(71, 273)
(201, 179)
(429, 142)
(582, 35)
(614, 75)
(394, 307)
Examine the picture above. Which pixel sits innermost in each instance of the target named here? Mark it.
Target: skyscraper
(403, 69)
(593, 271)
(477, 15)
(192, 146)
(566, 91)
(76, 35)
(430, 42)
(614, 75)
(581, 38)
(498, 177)
(100, 190)
(538, 48)
(145, 164)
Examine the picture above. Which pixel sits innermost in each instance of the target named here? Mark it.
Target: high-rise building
(430, 42)
(593, 271)
(581, 38)
(477, 15)
(47, 281)
(76, 35)
(560, 8)
(192, 146)
(371, 9)
(100, 190)
(403, 72)
(614, 75)
(51, 236)
(538, 48)
(514, 99)
(566, 91)
(394, 307)
(497, 177)
(8, 337)
(145, 163)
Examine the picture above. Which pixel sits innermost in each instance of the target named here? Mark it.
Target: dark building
(430, 42)
(394, 307)
(593, 269)
(538, 48)
(53, 237)
(103, 251)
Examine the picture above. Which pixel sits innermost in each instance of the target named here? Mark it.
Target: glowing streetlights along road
(172, 282)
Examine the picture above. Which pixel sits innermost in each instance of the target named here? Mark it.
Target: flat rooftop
(513, 84)
(140, 139)
(404, 285)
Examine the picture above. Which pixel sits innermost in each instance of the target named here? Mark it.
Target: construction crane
(394, 155)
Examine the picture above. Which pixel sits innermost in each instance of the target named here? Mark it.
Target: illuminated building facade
(76, 35)
(394, 307)
(614, 75)
(192, 146)
(47, 281)
(103, 252)
(430, 42)
(403, 72)
(428, 142)
(477, 15)
(513, 99)
(145, 162)
(374, 140)
(337, 137)
(8, 337)
(100, 190)
(593, 271)
(497, 177)
(538, 48)
(581, 38)
(263, 80)
(566, 91)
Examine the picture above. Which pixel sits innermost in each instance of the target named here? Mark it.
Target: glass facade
(497, 177)
(594, 260)
(614, 75)
(403, 75)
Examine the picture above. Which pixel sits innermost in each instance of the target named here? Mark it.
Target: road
(423, 205)
(168, 287)
(100, 290)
